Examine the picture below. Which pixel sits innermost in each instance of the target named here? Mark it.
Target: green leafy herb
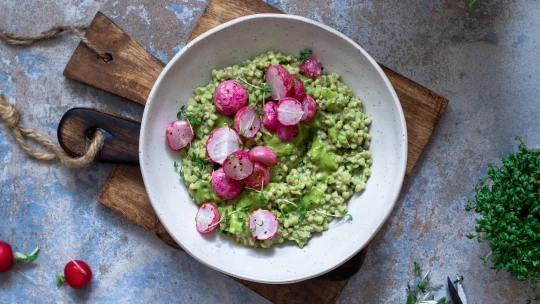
(417, 269)
(421, 290)
(472, 2)
(304, 53)
(201, 163)
(183, 113)
(508, 202)
(458, 280)
(251, 229)
(232, 156)
(176, 165)
(224, 230)
(202, 133)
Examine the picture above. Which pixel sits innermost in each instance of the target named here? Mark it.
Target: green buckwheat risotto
(272, 149)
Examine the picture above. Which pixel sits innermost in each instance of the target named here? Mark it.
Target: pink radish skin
(247, 122)
(224, 187)
(298, 89)
(265, 224)
(287, 132)
(238, 165)
(263, 155)
(311, 67)
(260, 175)
(270, 121)
(279, 80)
(310, 108)
(289, 111)
(221, 143)
(179, 134)
(207, 217)
(230, 96)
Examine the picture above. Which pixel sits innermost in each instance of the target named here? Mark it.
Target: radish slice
(270, 121)
(247, 122)
(310, 108)
(179, 134)
(238, 165)
(230, 97)
(263, 224)
(259, 178)
(263, 155)
(289, 111)
(221, 143)
(224, 187)
(298, 89)
(207, 217)
(279, 80)
(311, 67)
(287, 132)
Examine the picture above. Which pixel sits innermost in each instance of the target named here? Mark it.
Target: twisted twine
(10, 116)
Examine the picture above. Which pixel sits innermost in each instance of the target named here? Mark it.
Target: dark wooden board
(124, 191)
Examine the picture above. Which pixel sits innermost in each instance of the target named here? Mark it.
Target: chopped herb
(176, 165)
(240, 216)
(422, 289)
(417, 268)
(304, 53)
(458, 280)
(251, 229)
(232, 156)
(202, 133)
(472, 2)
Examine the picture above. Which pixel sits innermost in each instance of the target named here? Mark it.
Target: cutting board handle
(121, 135)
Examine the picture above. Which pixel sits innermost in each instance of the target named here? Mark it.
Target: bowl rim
(389, 87)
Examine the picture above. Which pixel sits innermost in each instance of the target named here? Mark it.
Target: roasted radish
(207, 217)
(263, 224)
(263, 155)
(230, 97)
(279, 80)
(298, 89)
(238, 165)
(287, 132)
(311, 67)
(247, 122)
(221, 143)
(179, 134)
(270, 120)
(224, 187)
(310, 108)
(259, 178)
(289, 111)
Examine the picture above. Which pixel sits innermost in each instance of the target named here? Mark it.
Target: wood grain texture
(124, 191)
(130, 74)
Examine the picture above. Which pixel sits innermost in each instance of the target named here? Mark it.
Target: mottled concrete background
(484, 59)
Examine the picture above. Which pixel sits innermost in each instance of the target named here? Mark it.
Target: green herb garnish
(422, 289)
(183, 113)
(251, 229)
(472, 2)
(304, 53)
(508, 202)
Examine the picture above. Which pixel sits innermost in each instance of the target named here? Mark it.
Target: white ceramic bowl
(230, 44)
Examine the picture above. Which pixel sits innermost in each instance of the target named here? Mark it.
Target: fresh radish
(270, 121)
(311, 67)
(287, 132)
(224, 187)
(76, 273)
(7, 256)
(263, 224)
(221, 143)
(247, 122)
(310, 108)
(230, 97)
(264, 155)
(179, 134)
(207, 217)
(259, 178)
(279, 80)
(289, 111)
(298, 89)
(238, 165)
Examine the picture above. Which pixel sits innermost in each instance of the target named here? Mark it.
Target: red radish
(259, 178)
(7, 256)
(264, 155)
(207, 217)
(287, 132)
(289, 111)
(279, 80)
(247, 122)
(224, 187)
(311, 67)
(76, 273)
(179, 134)
(270, 120)
(310, 108)
(230, 97)
(221, 143)
(298, 89)
(238, 165)
(263, 224)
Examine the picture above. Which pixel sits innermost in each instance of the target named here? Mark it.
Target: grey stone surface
(484, 59)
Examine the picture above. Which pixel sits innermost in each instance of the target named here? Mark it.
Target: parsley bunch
(508, 202)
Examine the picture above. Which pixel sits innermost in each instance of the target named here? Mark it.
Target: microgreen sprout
(421, 291)
(183, 113)
(304, 53)
(472, 2)
(264, 88)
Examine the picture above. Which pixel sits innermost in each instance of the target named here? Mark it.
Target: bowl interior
(230, 44)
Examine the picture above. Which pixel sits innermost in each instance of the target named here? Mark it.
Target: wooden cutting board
(132, 73)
